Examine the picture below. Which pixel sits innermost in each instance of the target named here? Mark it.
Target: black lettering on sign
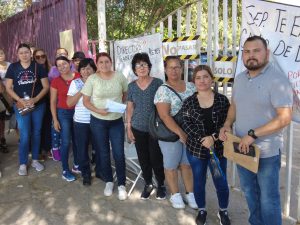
(298, 56)
(296, 32)
(281, 20)
(280, 48)
(250, 6)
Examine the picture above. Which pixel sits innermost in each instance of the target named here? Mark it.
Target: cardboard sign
(248, 162)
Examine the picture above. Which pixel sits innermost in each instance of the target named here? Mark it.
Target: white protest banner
(124, 51)
(279, 24)
(180, 48)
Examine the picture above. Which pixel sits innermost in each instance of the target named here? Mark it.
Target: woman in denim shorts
(174, 153)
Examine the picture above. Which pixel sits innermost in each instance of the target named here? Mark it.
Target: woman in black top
(204, 113)
(27, 83)
(140, 105)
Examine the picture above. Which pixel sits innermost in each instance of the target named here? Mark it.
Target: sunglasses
(40, 57)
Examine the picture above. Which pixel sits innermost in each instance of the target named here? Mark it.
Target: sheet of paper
(113, 106)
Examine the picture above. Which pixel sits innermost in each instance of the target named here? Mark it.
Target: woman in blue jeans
(27, 78)
(204, 113)
(107, 127)
(82, 117)
(62, 114)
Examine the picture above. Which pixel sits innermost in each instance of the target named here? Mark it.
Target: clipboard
(249, 162)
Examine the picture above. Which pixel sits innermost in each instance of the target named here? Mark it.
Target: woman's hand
(102, 112)
(30, 102)
(23, 102)
(182, 136)
(56, 125)
(130, 135)
(207, 141)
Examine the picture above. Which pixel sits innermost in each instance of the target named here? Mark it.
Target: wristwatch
(215, 136)
(251, 133)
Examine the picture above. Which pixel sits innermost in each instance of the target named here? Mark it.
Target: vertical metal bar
(234, 29)
(234, 26)
(161, 29)
(216, 35)
(198, 32)
(289, 155)
(188, 32)
(101, 25)
(179, 23)
(209, 36)
(170, 28)
(225, 36)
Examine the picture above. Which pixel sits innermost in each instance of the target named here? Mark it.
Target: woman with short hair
(82, 117)
(168, 104)
(139, 108)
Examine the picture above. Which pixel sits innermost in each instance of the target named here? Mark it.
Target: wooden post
(101, 25)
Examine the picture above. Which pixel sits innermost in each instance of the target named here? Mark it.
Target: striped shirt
(82, 114)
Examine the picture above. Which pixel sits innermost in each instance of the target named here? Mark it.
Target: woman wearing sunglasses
(40, 57)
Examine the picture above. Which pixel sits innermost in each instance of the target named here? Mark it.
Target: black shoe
(201, 218)
(223, 217)
(148, 189)
(161, 192)
(87, 181)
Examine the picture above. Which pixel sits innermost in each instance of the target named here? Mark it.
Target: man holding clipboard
(261, 107)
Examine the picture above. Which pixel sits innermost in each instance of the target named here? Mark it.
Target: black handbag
(159, 130)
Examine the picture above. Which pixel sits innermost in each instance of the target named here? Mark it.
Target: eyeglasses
(141, 65)
(176, 68)
(40, 57)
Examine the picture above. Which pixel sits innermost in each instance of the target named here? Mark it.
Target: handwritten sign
(124, 51)
(279, 24)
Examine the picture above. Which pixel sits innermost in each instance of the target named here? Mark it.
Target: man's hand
(245, 142)
(222, 134)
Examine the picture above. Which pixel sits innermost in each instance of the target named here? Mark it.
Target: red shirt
(62, 87)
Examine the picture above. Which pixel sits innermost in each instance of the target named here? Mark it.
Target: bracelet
(213, 137)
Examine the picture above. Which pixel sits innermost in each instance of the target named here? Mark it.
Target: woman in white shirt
(82, 117)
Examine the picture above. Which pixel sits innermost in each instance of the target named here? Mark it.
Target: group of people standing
(77, 114)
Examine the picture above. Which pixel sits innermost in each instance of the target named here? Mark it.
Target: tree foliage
(129, 18)
(8, 8)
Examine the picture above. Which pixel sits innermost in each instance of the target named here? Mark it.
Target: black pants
(150, 156)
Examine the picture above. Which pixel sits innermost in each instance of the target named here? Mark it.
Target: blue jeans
(30, 126)
(199, 168)
(83, 133)
(106, 132)
(262, 191)
(65, 118)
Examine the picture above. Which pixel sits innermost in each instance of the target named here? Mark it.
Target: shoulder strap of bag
(172, 89)
(35, 74)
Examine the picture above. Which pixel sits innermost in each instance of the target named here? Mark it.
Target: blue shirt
(256, 101)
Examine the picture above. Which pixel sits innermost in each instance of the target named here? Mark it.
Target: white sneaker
(176, 201)
(38, 166)
(23, 170)
(190, 198)
(108, 190)
(122, 195)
